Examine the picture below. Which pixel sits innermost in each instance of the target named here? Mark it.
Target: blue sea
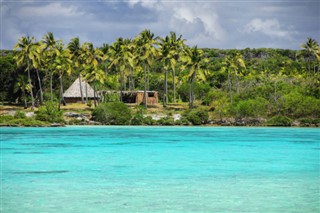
(160, 169)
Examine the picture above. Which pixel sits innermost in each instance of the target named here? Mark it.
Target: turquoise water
(160, 169)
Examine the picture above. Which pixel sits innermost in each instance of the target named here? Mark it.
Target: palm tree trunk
(174, 86)
(80, 83)
(40, 87)
(86, 91)
(51, 93)
(30, 85)
(190, 94)
(166, 86)
(145, 87)
(61, 98)
(229, 86)
(148, 73)
(130, 80)
(94, 92)
(121, 84)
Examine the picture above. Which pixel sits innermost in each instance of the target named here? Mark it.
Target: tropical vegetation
(276, 84)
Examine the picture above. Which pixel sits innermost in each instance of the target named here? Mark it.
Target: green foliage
(50, 113)
(198, 116)
(279, 120)
(309, 121)
(138, 118)
(6, 118)
(149, 121)
(252, 107)
(113, 113)
(20, 115)
(29, 122)
(166, 121)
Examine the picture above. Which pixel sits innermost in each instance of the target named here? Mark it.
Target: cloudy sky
(206, 23)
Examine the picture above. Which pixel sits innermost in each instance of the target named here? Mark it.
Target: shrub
(6, 118)
(26, 122)
(279, 120)
(166, 121)
(252, 107)
(50, 112)
(198, 116)
(113, 113)
(149, 121)
(20, 114)
(138, 117)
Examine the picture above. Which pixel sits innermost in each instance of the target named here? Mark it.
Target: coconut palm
(311, 52)
(23, 86)
(117, 61)
(49, 44)
(176, 46)
(194, 62)
(93, 73)
(233, 65)
(146, 51)
(62, 65)
(76, 56)
(29, 53)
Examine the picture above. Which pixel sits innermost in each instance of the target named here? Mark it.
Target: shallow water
(160, 169)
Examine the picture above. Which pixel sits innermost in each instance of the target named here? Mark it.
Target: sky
(219, 24)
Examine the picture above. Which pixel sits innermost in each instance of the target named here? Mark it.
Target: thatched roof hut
(73, 94)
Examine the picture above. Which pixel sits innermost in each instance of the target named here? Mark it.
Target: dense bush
(279, 120)
(166, 121)
(20, 114)
(50, 112)
(138, 118)
(6, 118)
(252, 107)
(26, 122)
(198, 116)
(113, 113)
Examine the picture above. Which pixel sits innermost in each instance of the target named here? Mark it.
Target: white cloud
(270, 27)
(194, 20)
(50, 10)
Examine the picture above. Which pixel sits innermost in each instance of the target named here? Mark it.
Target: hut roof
(74, 90)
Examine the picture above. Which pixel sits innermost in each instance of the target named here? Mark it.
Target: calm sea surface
(160, 169)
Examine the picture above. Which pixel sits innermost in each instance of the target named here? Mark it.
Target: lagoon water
(160, 169)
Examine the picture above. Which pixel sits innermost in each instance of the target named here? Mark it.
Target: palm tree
(145, 52)
(93, 73)
(23, 86)
(233, 65)
(193, 59)
(28, 53)
(176, 46)
(117, 60)
(62, 65)
(76, 56)
(50, 44)
(164, 56)
(310, 51)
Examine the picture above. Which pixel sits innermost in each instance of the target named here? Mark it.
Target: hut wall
(152, 98)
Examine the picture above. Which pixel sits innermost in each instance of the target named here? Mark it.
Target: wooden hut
(73, 94)
(137, 97)
(134, 97)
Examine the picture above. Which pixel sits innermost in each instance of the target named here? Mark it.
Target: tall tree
(76, 56)
(146, 52)
(311, 53)
(93, 72)
(194, 62)
(62, 65)
(29, 53)
(176, 46)
(233, 65)
(50, 43)
(23, 86)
